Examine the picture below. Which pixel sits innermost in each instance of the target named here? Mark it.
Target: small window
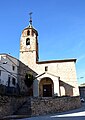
(27, 41)
(13, 81)
(8, 80)
(13, 67)
(0, 72)
(28, 32)
(46, 68)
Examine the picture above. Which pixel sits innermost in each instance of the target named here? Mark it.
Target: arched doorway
(46, 87)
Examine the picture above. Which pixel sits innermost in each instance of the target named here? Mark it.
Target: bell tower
(29, 45)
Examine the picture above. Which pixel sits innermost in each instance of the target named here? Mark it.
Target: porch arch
(46, 87)
(62, 91)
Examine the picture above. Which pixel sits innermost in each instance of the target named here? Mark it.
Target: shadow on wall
(65, 89)
(22, 71)
(7, 90)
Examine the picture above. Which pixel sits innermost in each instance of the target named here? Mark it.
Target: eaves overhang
(56, 61)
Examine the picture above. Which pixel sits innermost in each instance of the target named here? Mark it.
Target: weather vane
(30, 18)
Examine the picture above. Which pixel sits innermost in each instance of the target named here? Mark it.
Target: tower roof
(30, 24)
(31, 27)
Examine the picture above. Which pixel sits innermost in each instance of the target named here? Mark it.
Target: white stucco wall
(6, 69)
(55, 80)
(65, 70)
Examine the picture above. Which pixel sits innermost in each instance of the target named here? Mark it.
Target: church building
(54, 77)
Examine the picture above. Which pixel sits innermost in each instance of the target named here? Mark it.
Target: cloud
(78, 46)
(81, 58)
(81, 44)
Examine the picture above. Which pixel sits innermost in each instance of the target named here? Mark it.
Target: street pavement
(77, 114)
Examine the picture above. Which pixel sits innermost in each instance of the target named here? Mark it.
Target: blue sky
(60, 25)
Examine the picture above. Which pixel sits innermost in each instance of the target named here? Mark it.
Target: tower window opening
(32, 33)
(28, 32)
(46, 68)
(27, 41)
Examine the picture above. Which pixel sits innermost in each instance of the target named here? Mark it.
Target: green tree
(29, 78)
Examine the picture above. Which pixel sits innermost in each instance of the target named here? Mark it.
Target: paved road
(78, 114)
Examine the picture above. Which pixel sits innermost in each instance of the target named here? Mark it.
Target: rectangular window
(8, 80)
(13, 81)
(13, 67)
(0, 72)
(46, 68)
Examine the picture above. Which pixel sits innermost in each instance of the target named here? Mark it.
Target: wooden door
(47, 90)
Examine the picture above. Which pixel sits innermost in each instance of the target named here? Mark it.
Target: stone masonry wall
(9, 104)
(38, 106)
(43, 106)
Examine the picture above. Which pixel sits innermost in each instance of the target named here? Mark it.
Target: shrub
(29, 78)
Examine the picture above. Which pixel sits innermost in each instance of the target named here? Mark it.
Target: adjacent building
(12, 75)
(8, 70)
(82, 90)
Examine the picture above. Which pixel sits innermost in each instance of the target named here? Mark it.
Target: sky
(60, 25)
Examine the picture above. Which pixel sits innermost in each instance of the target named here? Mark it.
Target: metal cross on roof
(30, 18)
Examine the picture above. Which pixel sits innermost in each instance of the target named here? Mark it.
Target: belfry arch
(46, 87)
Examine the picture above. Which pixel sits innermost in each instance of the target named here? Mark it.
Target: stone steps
(24, 109)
